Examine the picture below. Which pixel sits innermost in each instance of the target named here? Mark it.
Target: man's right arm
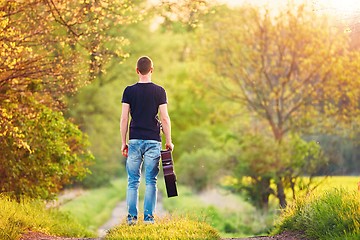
(166, 125)
(124, 123)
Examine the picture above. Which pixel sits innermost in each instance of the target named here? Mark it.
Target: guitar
(168, 168)
(169, 174)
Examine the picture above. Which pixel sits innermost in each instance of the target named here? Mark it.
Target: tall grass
(333, 214)
(30, 215)
(165, 228)
(94, 208)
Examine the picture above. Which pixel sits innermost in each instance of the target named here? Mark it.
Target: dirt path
(283, 236)
(120, 212)
(118, 215)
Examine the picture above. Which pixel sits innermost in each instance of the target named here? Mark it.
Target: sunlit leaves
(48, 49)
(55, 41)
(186, 12)
(276, 66)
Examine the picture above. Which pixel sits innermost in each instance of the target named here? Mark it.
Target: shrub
(199, 169)
(52, 153)
(332, 215)
(29, 215)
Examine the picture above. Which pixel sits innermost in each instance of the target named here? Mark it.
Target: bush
(45, 153)
(333, 215)
(29, 215)
(200, 168)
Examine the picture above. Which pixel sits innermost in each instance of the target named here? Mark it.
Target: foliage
(332, 215)
(182, 15)
(284, 69)
(167, 228)
(94, 208)
(42, 152)
(99, 177)
(255, 167)
(29, 215)
(199, 165)
(97, 107)
(342, 152)
(44, 42)
(199, 169)
(49, 49)
(275, 65)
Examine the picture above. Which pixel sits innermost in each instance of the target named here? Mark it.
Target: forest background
(257, 101)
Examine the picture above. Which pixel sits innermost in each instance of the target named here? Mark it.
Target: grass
(167, 228)
(332, 214)
(329, 213)
(94, 207)
(243, 222)
(323, 184)
(30, 215)
(345, 182)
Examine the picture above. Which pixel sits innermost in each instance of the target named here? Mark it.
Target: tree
(255, 166)
(284, 69)
(42, 152)
(48, 50)
(97, 107)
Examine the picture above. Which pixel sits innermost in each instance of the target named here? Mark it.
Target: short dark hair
(144, 65)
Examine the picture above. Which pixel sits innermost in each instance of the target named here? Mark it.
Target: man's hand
(169, 146)
(124, 150)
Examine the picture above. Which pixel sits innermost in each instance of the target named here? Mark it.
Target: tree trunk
(265, 193)
(281, 193)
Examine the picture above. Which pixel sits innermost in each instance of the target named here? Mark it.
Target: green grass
(94, 208)
(331, 214)
(167, 228)
(29, 215)
(244, 222)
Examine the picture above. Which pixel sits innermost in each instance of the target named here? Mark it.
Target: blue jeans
(147, 151)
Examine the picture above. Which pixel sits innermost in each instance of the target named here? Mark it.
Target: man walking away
(143, 101)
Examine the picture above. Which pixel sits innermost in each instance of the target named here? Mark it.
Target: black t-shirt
(144, 100)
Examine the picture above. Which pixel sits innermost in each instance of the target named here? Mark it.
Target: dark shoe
(131, 220)
(149, 219)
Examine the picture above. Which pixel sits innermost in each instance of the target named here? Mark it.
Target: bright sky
(327, 5)
(270, 4)
(256, 2)
(340, 6)
(348, 10)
